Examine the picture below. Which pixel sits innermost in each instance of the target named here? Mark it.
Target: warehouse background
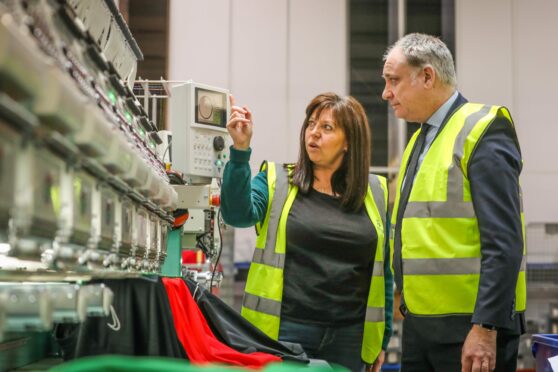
(275, 55)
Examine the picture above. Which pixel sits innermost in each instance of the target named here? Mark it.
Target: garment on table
(235, 331)
(140, 323)
(196, 336)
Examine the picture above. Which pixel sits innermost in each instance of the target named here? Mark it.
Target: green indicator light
(142, 132)
(112, 97)
(128, 116)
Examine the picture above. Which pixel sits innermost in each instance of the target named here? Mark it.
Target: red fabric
(196, 336)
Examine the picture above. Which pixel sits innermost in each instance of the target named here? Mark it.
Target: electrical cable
(220, 249)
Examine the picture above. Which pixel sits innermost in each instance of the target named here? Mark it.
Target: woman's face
(325, 141)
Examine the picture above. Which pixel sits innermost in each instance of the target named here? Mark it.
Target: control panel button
(218, 143)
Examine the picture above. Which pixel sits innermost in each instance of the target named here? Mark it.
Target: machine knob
(218, 143)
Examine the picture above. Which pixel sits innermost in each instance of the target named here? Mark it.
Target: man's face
(404, 89)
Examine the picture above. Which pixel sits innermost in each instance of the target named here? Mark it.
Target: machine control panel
(200, 141)
(208, 158)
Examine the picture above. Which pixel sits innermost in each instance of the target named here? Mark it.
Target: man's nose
(387, 94)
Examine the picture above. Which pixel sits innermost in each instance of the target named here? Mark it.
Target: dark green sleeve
(243, 202)
(388, 280)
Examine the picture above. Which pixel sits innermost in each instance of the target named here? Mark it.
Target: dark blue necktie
(403, 199)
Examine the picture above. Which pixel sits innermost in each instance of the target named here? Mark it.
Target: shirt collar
(437, 118)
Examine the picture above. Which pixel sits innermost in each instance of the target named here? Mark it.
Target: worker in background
(320, 274)
(457, 224)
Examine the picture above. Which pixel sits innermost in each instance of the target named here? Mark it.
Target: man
(457, 240)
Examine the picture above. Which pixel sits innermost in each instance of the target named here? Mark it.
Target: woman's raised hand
(240, 125)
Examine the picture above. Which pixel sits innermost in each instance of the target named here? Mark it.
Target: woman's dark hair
(350, 181)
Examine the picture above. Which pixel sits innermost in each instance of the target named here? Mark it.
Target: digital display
(211, 107)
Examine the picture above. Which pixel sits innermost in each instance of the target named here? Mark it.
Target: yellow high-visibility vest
(440, 239)
(264, 285)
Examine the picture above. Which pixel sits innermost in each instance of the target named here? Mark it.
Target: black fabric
(425, 351)
(329, 260)
(235, 331)
(146, 325)
(403, 199)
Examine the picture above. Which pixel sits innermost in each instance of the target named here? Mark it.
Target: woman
(318, 276)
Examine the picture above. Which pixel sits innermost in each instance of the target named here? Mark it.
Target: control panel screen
(211, 107)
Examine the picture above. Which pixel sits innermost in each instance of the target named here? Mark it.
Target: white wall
(199, 47)
(273, 55)
(317, 58)
(506, 54)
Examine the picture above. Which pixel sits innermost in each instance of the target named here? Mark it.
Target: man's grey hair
(421, 50)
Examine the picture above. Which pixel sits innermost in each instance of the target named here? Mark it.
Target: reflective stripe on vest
(447, 266)
(264, 286)
(439, 223)
(261, 304)
(374, 323)
(267, 254)
(379, 195)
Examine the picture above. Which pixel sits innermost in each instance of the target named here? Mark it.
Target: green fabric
(236, 181)
(116, 363)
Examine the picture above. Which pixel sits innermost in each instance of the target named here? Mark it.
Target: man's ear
(429, 76)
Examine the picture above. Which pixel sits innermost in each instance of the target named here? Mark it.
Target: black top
(329, 259)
